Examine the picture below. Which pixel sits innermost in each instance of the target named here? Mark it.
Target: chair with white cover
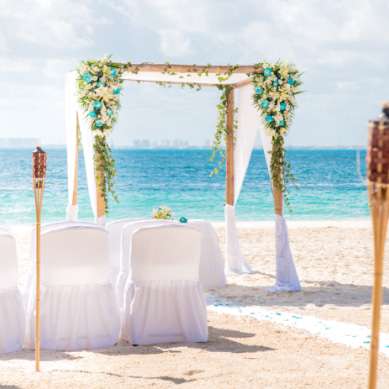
(78, 306)
(29, 289)
(211, 258)
(12, 319)
(115, 233)
(125, 244)
(164, 301)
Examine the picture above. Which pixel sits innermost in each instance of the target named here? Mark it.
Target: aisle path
(348, 334)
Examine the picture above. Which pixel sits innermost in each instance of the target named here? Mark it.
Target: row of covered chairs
(161, 299)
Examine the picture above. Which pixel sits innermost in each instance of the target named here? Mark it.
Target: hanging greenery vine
(274, 96)
(99, 88)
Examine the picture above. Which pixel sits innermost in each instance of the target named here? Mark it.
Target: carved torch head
(377, 156)
(39, 163)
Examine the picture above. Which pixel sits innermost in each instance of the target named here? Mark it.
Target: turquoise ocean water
(329, 186)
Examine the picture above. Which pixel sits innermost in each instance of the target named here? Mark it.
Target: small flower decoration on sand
(183, 219)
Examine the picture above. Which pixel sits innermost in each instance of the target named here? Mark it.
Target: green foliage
(272, 96)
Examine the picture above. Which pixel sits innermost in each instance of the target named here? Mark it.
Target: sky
(342, 46)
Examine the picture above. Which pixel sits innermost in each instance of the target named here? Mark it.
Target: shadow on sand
(323, 293)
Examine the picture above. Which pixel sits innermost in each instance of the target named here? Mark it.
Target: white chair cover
(78, 307)
(127, 232)
(164, 301)
(211, 271)
(115, 236)
(12, 319)
(211, 258)
(30, 282)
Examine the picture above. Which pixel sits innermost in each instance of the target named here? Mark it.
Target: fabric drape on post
(71, 140)
(248, 124)
(87, 139)
(286, 275)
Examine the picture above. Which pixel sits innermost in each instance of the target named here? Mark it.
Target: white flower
(163, 213)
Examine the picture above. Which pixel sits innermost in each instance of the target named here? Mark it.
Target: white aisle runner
(347, 334)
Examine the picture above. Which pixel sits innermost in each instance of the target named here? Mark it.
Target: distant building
(141, 144)
(207, 144)
(19, 143)
(180, 143)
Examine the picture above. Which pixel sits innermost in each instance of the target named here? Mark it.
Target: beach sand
(334, 261)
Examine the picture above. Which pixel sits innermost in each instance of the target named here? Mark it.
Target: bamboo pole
(379, 203)
(39, 185)
(74, 200)
(278, 197)
(100, 181)
(174, 68)
(230, 149)
(243, 83)
(177, 82)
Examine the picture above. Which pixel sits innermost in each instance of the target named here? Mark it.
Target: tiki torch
(38, 184)
(377, 159)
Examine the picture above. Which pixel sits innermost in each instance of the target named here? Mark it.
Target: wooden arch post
(277, 195)
(99, 181)
(230, 149)
(74, 198)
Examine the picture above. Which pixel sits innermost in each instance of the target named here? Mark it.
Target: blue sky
(341, 46)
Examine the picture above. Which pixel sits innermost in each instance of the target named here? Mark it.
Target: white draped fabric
(163, 297)
(248, 124)
(286, 275)
(72, 108)
(115, 241)
(78, 305)
(211, 271)
(12, 320)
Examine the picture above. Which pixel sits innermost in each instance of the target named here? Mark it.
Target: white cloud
(57, 24)
(174, 43)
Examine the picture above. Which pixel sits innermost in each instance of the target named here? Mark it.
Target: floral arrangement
(274, 95)
(99, 88)
(163, 213)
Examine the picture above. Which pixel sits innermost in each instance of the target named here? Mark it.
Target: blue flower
(99, 124)
(269, 118)
(267, 72)
(97, 104)
(183, 219)
(113, 72)
(282, 123)
(275, 83)
(87, 77)
(168, 215)
(282, 106)
(259, 91)
(159, 209)
(109, 112)
(100, 84)
(92, 114)
(116, 91)
(291, 81)
(265, 103)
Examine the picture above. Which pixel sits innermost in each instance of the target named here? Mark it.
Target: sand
(335, 265)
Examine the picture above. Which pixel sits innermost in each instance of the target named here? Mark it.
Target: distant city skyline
(31, 143)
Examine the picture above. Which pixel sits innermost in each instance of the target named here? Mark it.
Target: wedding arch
(241, 127)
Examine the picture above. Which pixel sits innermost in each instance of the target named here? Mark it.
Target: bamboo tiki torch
(377, 159)
(38, 184)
